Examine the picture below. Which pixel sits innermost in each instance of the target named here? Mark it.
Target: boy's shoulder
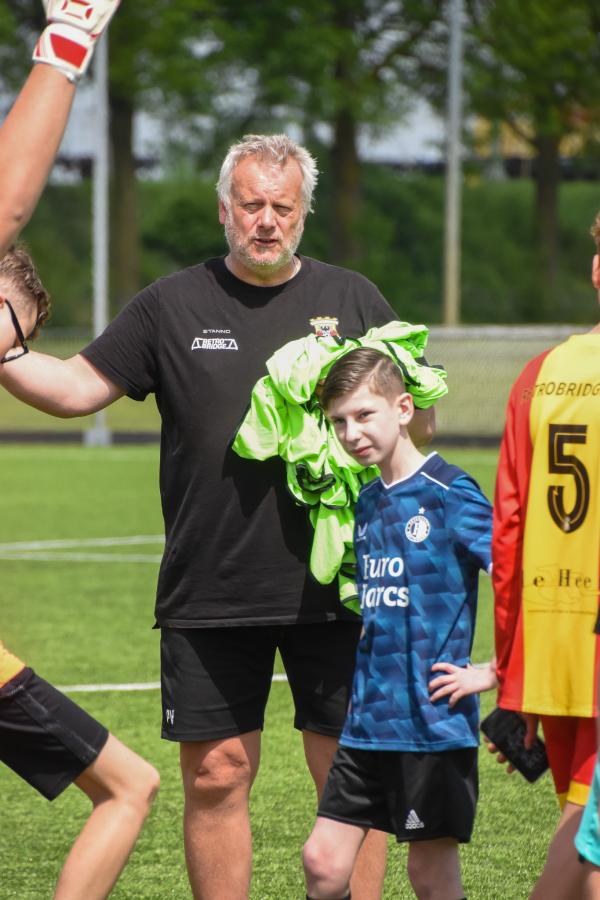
(446, 474)
(434, 469)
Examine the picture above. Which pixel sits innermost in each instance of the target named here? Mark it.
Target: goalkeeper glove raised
(73, 28)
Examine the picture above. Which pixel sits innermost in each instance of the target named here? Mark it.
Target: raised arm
(29, 140)
(60, 387)
(32, 131)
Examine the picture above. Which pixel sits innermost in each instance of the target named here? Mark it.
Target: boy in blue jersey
(405, 765)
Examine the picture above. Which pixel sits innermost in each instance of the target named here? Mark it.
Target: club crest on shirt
(325, 326)
(417, 528)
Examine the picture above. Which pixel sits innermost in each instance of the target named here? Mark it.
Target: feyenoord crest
(325, 326)
(417, 528)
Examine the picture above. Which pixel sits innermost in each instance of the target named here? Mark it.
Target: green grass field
(81, 613)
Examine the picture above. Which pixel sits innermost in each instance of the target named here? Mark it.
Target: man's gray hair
(276, 148)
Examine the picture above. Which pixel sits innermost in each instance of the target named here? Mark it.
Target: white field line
(83, 557)
(84, 542)
(133, 686)
(26, 550)
(43, 551)
(94, 688)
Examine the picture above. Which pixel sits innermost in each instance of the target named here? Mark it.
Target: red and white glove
(73, 28)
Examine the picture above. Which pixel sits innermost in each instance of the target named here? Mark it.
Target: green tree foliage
(337, 69)
(535, 64)
(153, 57)
(19, 22)
(401, 231)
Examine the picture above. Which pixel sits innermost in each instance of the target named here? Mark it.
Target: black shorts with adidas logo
(416, 796)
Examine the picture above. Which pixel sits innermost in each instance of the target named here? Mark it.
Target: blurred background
(364, 84)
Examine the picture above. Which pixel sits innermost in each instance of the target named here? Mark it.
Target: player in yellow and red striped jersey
(546, 568)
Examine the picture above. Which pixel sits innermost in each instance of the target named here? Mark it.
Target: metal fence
(482, 363)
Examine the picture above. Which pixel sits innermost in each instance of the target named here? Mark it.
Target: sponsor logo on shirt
(361, 532)
(417, 528)
(561, 389)
(210, 341)
(390, 595)
(325, 326)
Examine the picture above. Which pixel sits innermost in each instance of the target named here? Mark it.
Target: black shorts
(44, 737)
(416, 796)
(216, 681)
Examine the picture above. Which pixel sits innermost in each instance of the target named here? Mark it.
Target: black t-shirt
(236, 544)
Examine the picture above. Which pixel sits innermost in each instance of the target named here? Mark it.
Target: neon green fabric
(286, 420)
(297, 368)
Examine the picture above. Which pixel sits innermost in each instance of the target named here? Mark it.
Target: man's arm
(29, 140)
(60, 387)
(422, 426)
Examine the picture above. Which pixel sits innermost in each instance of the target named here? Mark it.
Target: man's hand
(531, 722)
(73, 28)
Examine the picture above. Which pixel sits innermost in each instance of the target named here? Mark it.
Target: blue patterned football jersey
(420, 544)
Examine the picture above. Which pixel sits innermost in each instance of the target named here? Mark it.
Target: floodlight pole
(453, 169)
(99, 434)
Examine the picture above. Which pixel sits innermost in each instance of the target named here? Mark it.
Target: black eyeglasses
(20, 336)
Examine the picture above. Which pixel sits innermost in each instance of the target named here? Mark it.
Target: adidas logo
(413, 821)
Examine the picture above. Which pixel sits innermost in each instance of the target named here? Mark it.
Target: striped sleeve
(510, 506)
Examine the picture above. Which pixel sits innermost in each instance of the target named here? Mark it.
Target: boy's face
(8, 333)
(369, 424)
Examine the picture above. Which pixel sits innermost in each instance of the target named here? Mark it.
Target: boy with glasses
(44, 737)
(26, 310)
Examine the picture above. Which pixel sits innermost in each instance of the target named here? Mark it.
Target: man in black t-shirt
(233, 585)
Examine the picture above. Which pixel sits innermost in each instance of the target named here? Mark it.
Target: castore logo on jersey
(361, 532)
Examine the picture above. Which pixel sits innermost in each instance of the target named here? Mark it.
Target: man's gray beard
(258, 265)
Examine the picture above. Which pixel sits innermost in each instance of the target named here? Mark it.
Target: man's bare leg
(121, 785)
(369, 870)
(217, 777)
(562, 877)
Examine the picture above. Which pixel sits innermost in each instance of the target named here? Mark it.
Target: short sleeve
(378, 311)
(469, 519)
(126, 352)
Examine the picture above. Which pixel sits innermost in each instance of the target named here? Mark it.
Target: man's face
(8, 334)
(368, 424)
(265, 218)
